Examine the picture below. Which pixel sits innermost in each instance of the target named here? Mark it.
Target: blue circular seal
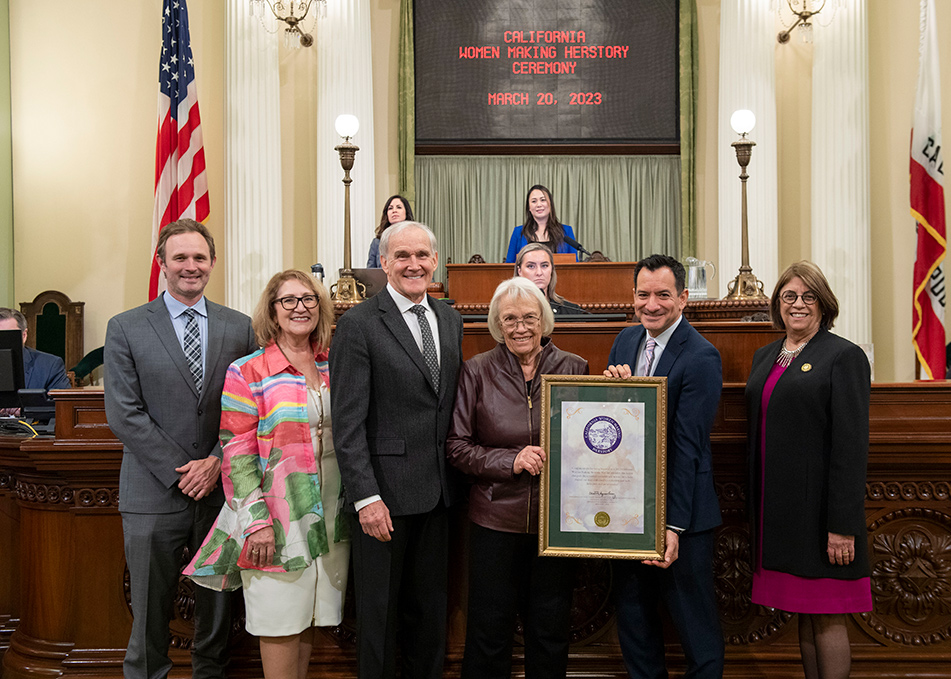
(602, 435)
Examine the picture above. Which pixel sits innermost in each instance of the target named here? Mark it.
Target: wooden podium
(586, 283)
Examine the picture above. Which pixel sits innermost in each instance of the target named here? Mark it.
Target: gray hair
(516, 289)
(6, 313)
(400, 227)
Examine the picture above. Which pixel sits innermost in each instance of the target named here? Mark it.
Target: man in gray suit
(393, 371)
(165, 365)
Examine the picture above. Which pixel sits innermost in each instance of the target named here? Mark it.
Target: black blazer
(694, 381)
(389, 423)
(816, 456)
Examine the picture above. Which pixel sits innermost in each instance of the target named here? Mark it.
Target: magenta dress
(794, 593)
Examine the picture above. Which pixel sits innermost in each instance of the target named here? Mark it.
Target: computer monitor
(11, 368)
(373, 279)
(36, 404)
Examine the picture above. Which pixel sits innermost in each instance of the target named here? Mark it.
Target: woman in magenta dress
(807, 401)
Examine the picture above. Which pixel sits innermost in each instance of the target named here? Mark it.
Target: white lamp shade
(346, 125)
(742, 121)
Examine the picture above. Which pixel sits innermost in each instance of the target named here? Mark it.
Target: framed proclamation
(603, 489)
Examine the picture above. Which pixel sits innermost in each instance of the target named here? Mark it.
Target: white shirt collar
(663, 338)
(404, 303)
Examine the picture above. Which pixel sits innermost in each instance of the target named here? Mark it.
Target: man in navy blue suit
(40, 370)
(666, 345)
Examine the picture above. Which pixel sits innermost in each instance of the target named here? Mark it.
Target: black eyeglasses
(290, 303)
(808, 297)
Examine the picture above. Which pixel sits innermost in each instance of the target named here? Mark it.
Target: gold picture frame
(603, 487)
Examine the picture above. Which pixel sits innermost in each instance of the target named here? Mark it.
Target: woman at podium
(541, 225)
(535, 262)
(395, 210)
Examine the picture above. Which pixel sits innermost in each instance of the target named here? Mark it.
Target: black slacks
(400, 589)
(506, 576)
(686, 590)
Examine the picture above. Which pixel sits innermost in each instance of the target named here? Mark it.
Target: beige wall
(84, 101)
(893, 72)
(84, 81)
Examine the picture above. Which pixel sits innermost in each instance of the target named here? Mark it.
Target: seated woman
(279, 535)
(494, 439)
(541, 225)
(395, 210)
(535, 263)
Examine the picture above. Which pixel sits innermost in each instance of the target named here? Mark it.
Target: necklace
(786, 356)
(320, 425)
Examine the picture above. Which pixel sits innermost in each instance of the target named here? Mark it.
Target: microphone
(576, 245)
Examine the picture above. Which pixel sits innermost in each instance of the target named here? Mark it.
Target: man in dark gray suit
(393, 371)
(165, 365)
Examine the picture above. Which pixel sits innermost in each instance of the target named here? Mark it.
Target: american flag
(181, 186)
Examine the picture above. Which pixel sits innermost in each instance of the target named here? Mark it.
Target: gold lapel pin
(806, 367)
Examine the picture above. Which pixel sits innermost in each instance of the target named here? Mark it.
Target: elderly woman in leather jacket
(494, 439)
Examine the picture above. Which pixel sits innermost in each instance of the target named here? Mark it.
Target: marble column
(253, 218)
(841, 239)
(747, 81)
(345, 85)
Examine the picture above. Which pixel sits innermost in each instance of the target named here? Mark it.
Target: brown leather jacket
(494, 418)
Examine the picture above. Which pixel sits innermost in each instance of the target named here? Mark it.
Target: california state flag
(927, 205)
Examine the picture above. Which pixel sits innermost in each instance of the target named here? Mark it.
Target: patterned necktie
(649, 355)
(192, 347)
(429, 346)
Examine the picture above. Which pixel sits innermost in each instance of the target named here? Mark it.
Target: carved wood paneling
(75, 619)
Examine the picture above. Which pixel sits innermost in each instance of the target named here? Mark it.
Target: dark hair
(556, 232)
(816, 281)
(655, 262)
(384, 220)
(541, 247)
(180, 227)
(6, 313)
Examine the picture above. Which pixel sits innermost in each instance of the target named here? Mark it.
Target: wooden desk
(581, 282)
(74, 619)
(736, 342)
(606, 287)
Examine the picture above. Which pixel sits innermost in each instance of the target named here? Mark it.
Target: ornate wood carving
(911, 577)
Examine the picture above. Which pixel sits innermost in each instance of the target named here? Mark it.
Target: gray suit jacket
(152, 405)
(389, 423)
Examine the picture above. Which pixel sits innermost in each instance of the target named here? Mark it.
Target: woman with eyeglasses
(535, 263)
(807, 403)
(494, 440)
(279, 535)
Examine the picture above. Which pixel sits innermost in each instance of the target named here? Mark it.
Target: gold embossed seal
(602, 519)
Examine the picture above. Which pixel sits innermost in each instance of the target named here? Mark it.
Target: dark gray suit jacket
(152, 405)
(389, 423)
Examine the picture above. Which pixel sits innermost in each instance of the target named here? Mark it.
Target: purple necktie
(649, 355)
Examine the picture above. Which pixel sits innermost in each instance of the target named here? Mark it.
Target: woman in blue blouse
(541, 225)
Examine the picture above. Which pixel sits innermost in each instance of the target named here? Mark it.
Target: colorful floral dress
(269, 473)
